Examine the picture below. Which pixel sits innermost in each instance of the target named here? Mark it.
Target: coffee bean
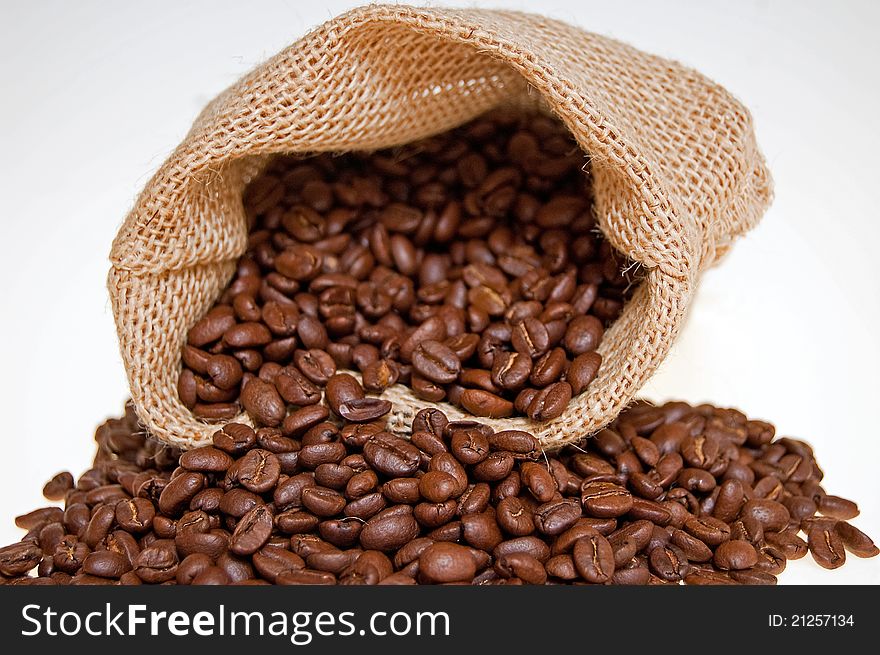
(206, 459)
(530, 337)
(157, 562)
(791, 545)
(252, 531)
(315, 364)
(389, 532)
(436, 362)
(380, 375)
(753, 577)
(262, 401)
(484, 403)
(20, 558)
(445, 562)
(855, 541)
(55, 488)
(210, 328)
(305, 577)
(605, 499)
(364, 410)
(583, 370)
(258, 470)
(106, 564)
(826, 546)
(511, 370)
(135, 515)
(469, 446)
(593, 558)
(322, 502)
(342, 388)
(481, 530)
(234, 438)
(391, 455)
(735, 554)
(522, 566)
(837, 507)
(707, 529)
(583, 335)
(299, 262)
(538, 481)
(668, 563)
(550, 402)
(770, 514)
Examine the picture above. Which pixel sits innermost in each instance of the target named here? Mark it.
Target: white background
(95, 95)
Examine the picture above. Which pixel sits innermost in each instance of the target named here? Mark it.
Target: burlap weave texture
(677, 176)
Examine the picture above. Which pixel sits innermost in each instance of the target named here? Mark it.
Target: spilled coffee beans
(666, 495)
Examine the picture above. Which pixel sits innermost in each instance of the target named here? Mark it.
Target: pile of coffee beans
(665, 495)
(467, 266)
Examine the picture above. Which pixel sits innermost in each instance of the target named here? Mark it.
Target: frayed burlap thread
(677, 176)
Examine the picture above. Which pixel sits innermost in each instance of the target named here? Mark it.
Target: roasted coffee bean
(791, 545)
(380, 375)
(258, 471)
(205, 460)
(770, 514)
(252, 531)
(735, 554)
(550, 402)
(446, 562)
(583, 335)
(135, 515)
(364, 410)
(593, 558)
(837, 507)
(238, 502)
(436, 362)
(315, 364)
(391, 455)
(235, 438)
(387, 532)
(753, 577)
(515, 517)
(855, 541)
(668, 563)
(481, 530)
(271, 561)
(557, 516)
(58, 486)
(605, 499)
(157, 562)
(522, 566)
(826, 546)
(693, 548)
(538, 481)
(19, 558)
(511, 371)
(515, 441)
(296, 389)
(106, 564)
(484, 403)
(262, 401)
(707, 529)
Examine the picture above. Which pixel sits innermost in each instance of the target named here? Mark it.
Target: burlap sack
(677, 175)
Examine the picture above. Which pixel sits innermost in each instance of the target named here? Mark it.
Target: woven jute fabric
(677, 176)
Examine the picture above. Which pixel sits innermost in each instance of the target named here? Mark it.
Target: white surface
(96, 94)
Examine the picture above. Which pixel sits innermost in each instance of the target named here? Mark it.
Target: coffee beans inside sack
(666, 495)
(507, 219)
(468, 267)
